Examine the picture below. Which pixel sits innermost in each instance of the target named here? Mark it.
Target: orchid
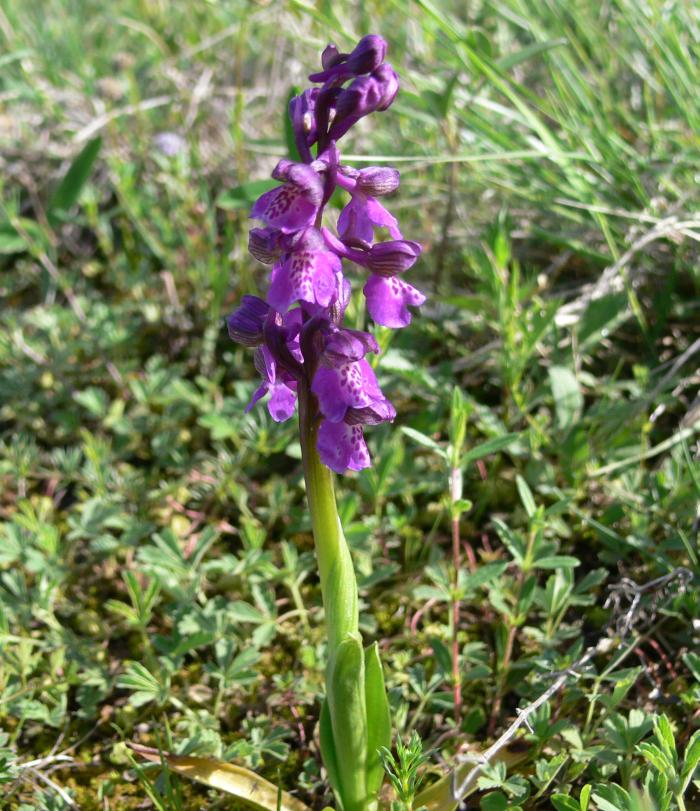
(304, 351)
(311, 362)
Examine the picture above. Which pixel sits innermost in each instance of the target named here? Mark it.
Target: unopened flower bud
(346, 345)
(263, 244)
(245, 325)
(392, 257)
(358, 99)
(378, 180)
(378, 411)
(367, 55)
(386, 76)
(302, 111)
(331, 56)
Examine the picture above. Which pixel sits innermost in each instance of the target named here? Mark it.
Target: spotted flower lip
(294, 205)
(342, 447)
(388, 299)
(344, 386)
(301, 343)
(308, 273)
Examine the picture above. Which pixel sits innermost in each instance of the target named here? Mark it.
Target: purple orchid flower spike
(301, 344)
(310, 361)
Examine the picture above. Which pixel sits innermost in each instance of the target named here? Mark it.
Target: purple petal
(282, 402)
(361, 216)
(379, 411)
(309, 276)
(263, 243)
(286, 208)
(382, 218)
(265, 364)
(259, 393)
(378, 180)
(388, 299)
(389, 81)
(348, 385)
(342, 447)
(392, 257)
(245, 325)
(343, 345)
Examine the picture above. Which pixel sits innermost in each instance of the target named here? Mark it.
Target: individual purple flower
(388, 299)
(385, 258)
(169, 143)
(308, 272)
(280, 385)
(361, 216)
(342, 447)
(295, 204)
(347, 385)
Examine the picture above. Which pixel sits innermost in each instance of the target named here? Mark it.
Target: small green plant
(404, 770)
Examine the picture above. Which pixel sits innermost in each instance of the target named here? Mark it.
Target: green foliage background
(156, 571)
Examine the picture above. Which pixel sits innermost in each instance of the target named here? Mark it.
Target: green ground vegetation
(157, 580)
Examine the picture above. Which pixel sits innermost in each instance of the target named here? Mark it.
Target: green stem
(344, 732)
(338, 583)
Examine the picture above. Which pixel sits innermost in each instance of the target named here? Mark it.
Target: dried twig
(627, 589)
(624, 619)
(611, 279)
(100, 122)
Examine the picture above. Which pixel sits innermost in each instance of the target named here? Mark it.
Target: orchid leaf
(228, 777)
(346, 700)
(330, 759)
(378, 718)
(68, 191)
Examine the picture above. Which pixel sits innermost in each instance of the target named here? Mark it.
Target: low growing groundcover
(525, 540)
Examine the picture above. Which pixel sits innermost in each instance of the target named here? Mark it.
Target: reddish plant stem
(456, 676)
(456, 493)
